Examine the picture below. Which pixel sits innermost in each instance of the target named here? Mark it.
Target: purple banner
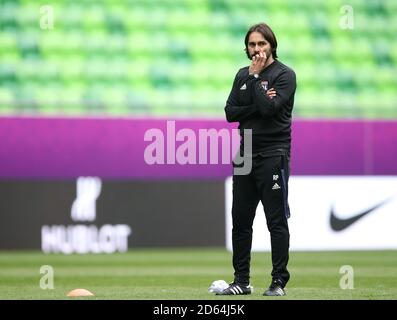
(340, 147)
(59, 148)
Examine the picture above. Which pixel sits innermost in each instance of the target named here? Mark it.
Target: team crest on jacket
(264, 84)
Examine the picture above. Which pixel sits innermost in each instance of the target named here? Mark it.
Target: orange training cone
(80, 293)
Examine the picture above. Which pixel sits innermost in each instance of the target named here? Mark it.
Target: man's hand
(271, 93)
(258, 63)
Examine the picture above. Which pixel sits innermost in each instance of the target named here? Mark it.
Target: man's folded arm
(240, 113)
(234, 112)
(285, 86)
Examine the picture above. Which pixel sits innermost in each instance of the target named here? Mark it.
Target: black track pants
(267, 182)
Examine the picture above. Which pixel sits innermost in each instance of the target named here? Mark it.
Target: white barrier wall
(364, 210)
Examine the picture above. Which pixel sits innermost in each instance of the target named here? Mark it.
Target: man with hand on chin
(262, 99)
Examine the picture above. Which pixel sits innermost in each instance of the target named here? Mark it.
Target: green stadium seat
(6, 100)
(161, 57)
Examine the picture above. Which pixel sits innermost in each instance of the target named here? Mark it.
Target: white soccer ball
(218, 286)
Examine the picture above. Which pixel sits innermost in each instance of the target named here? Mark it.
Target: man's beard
(268, 53)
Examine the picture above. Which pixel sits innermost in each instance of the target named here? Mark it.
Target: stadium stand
(179, 57)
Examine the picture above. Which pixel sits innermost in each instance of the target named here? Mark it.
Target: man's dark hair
(267, 33)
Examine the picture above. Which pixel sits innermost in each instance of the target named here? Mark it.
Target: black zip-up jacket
(269, 119)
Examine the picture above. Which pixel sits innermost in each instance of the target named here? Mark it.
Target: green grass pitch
(179, 274)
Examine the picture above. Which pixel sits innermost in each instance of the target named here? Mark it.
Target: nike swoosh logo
(338, 224)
